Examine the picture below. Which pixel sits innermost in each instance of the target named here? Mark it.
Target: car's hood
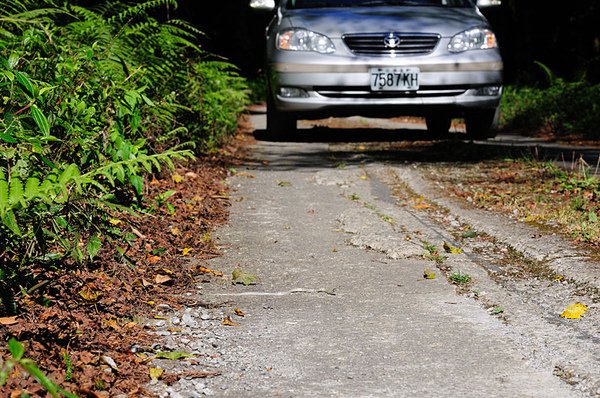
(334, 22)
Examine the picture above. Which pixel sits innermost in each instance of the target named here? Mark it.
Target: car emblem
(391, 41)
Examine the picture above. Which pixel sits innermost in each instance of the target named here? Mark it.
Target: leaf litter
(92, 315)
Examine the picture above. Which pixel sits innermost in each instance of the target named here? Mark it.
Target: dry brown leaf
(210, 271)
(229, 322)
(162, 279)
(175, 231)
(9, 320)
(152, 259)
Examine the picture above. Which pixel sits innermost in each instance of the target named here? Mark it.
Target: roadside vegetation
(95, 103)
(556, 107)
(563, 200)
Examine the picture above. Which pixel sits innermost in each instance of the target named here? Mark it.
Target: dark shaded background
(564, 36)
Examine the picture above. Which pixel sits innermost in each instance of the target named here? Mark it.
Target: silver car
(436, 59)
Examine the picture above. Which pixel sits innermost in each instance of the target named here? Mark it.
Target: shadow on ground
(359, 145)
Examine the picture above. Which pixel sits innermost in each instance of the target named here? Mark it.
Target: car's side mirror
(262, 5)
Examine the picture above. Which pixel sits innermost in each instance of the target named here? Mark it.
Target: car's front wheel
(438, 125)
(279, 123)
(482, 124)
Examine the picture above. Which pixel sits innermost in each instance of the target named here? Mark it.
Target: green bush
(92, 100)
(561, 108)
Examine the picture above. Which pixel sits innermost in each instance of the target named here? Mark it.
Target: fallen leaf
(166, 271)
(113, 324)
(89, 294)
(210, 271)
(229, 322)
(175, 231)
(574, 311)
(451, 249)
(172, 355)
(152, 259)
(284, 183)
(162, 279)
(9, 320)
(364, 177)
(155, 373)
(115, 221)
(239, 276)
(186, 250)
(110, 362)
(421, 206)
(239, 312)
(245, 174)
(177, 178)
(428, 274)
(170, 378)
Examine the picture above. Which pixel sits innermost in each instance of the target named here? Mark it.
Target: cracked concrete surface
(341, 307)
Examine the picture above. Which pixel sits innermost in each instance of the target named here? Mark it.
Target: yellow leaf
(239, 312)
(428, 274)
(115, 221)
(574, 311)
(177, 178)
(451, 249)
(155, 373)
(89, 294)
(238, 276)
(113, 324)
(229, 322)
(186, 250)
(166, 271)
(364, 177)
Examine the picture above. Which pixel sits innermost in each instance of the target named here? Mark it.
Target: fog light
(490, 91)
(292, 92)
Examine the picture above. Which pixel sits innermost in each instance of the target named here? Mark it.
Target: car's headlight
(472, 39)
(304, 40)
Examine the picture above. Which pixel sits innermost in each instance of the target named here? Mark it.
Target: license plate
(394, 79)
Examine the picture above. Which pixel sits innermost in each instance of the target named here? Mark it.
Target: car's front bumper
(339, 85)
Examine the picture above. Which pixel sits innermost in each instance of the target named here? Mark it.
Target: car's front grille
(365, 92)
(391, 43)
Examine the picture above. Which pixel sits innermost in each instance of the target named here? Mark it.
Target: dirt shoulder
(85, 326)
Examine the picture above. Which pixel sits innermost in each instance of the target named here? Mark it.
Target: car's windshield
(294, 4)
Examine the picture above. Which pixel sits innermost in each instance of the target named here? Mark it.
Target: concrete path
(341, 307)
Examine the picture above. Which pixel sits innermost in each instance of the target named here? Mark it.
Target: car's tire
(279, 124)
(438, 125)
(482, 124)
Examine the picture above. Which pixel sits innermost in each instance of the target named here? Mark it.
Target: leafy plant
(561, 107)
(459, 278)
(17, 351)
(92, 100)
